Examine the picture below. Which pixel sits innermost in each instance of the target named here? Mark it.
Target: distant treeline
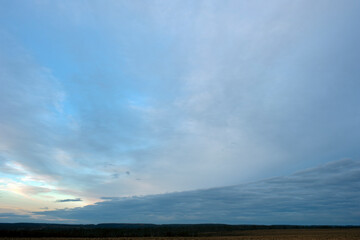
(136, 230)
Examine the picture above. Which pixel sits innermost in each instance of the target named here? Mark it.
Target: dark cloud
(328, 194)
(9, 217)
(69, 200)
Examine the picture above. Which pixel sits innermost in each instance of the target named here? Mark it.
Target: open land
(266, 234)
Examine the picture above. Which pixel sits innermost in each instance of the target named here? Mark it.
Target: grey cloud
(5, 169)
(115, 175)
(328, 194)
(28, 92)
(33, 125)
(15, 217)
(264, 94)
(110, 198)
(33, 190)
(250, 93)
(69, 200)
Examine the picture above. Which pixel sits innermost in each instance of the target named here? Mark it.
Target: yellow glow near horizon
(30, 197)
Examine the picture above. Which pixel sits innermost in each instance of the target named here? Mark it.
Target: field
(269, 234)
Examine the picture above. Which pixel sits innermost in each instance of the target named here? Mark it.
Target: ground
(271, 234)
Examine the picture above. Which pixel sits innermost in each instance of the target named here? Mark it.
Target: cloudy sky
(180, 111)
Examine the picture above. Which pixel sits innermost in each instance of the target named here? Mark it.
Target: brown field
(272, 234)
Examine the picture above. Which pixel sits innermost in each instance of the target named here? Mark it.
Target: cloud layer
(328, 194)
(125, 98)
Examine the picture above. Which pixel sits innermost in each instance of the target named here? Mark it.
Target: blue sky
(101, 100)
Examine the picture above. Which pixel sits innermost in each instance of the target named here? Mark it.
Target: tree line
(136, 230)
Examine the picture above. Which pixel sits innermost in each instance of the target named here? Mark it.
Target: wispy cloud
(69, 200)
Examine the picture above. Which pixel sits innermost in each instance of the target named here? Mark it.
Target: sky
(226, 111)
